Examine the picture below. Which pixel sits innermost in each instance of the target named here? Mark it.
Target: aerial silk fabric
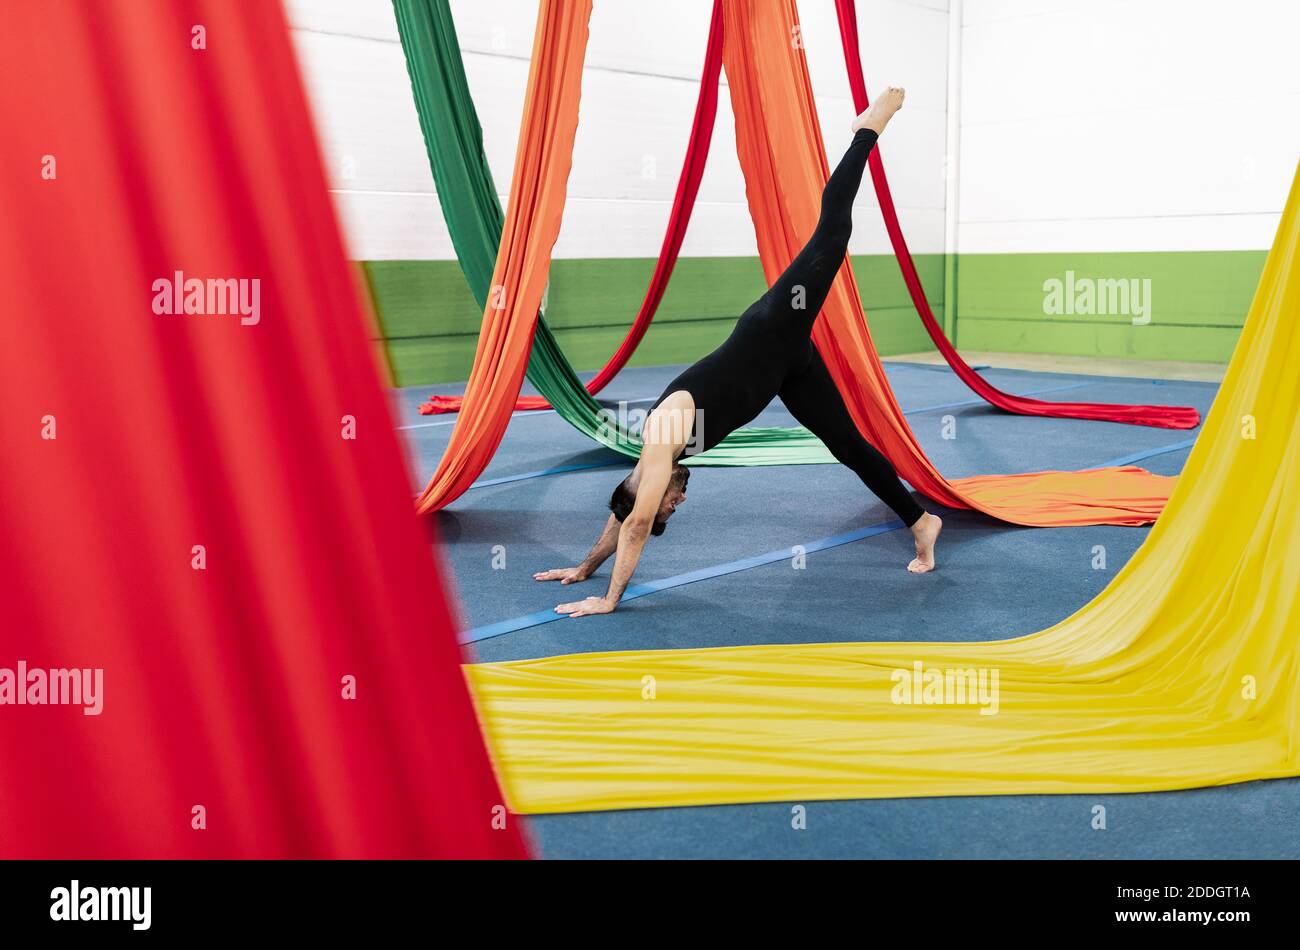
(454, 141)
(543, 158)
(1181, 673)
(778, 139)
(453, 138)
(536, 204)
(171, 515)
(1168, 417)
(1132, 495)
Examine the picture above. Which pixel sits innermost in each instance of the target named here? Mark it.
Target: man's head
(624, 498)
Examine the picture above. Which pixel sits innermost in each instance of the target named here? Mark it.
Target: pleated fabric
(473, 215)
(207, 505)
(532, 223)
(454, 141)
(1181, 673)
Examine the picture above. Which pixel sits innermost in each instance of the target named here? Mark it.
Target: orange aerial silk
(537, 192)
(778, 139)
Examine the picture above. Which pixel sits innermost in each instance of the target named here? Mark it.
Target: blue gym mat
(725, 573)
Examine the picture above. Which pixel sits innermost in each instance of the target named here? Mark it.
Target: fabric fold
(454, 141)
(1181, 673)
(205, 509)
(537, 194)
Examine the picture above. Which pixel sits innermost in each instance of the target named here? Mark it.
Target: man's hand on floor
(586, 608)
(565, 575)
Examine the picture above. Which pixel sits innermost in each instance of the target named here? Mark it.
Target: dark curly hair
(622, 502)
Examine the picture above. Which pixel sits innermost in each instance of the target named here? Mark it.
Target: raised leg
(798, 294)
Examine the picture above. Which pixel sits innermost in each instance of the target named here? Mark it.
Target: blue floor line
(758, 560)
(1139, 456)
(678, 580)
(562, 469)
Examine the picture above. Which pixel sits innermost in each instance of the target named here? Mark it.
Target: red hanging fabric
(688, 186)
(277, 667)
(1168, 417)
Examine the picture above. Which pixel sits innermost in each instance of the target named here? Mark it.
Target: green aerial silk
(454, 140)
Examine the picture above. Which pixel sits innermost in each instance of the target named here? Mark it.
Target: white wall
(1085, 125)
(1126, 125)
(638, 97)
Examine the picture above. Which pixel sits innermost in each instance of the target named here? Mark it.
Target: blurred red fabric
(223, 687)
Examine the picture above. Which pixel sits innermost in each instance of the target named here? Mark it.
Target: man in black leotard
(769, 353)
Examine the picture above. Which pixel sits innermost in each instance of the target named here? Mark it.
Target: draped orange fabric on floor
(537, 193)
(778, 139)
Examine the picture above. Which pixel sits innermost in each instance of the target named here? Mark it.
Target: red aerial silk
(688, 186)
(171, 514)
(1168, 417)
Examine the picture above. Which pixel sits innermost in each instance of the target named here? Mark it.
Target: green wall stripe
(1188, 288)
(1198, 300)
(428, 321)
(1195, 344)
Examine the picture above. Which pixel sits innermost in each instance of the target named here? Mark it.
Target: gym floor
(725, 573)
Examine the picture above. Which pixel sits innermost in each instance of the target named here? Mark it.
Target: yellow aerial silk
(1183, 672)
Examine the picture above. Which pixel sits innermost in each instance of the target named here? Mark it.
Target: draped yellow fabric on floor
(1183, 672)
(537, 192)
(778, 139)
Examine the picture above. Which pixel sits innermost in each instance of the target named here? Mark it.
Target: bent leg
(813, 400)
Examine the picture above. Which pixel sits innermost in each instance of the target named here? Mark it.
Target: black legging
(770, 351)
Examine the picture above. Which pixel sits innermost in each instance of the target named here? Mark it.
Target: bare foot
(881, 111)
(926, 532)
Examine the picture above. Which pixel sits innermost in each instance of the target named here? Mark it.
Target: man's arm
(605, 545)
(632, 535)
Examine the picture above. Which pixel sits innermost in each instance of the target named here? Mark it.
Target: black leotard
(770, 351)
